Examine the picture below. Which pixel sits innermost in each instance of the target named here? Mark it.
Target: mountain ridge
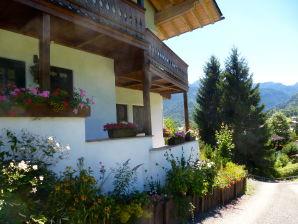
(271, 93)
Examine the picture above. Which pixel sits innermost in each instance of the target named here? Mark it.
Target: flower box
(121, 133)
(42, 110)
(175, 141)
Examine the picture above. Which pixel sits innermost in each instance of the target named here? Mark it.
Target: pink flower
(81, 105)
(34, 91)
(3, 98)
(75, 111)
(45, 94)
(82, 92)
(16, 92)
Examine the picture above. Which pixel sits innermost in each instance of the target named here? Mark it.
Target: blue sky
(264, 31)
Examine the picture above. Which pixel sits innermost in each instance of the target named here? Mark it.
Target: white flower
(41, 178)
(34, 167)
(11, 164)
(67, 147)
(22, 165)
(57, 145)
(34, 190)
(50, 139)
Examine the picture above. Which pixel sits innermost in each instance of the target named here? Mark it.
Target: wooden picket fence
(163, 212)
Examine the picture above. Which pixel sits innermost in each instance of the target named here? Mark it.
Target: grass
(289, 170)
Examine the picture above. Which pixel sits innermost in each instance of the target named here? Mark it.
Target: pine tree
(207, 114)
(243, 113)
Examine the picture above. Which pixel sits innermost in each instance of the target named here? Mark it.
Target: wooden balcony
(168, 72)
(165, 60)
(122, 15)
(105, 27)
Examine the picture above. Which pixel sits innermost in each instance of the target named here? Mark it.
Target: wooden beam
(174, 11)
(186, 115)
(206, 10)
(197, 17)
(90, 41)
(44, 52)
(147, 81)
(188, 23)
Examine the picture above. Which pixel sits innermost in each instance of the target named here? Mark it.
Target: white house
(113, 49)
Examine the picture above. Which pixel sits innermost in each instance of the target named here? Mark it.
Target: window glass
(12, 71)
(121, 113)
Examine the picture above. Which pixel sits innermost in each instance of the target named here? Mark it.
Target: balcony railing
(165, 59)
(122, 15)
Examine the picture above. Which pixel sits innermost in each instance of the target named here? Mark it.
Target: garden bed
(162, 212)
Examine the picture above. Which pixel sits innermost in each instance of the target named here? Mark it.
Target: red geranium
(65, 104)
(110, 126)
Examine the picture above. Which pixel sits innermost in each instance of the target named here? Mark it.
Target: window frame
(20, 71)
(125, 112)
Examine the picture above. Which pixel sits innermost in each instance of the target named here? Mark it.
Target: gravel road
(270, 203)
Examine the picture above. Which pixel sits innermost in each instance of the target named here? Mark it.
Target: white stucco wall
(91, 72)
(158, 162)
(131, 97)
(71, 131)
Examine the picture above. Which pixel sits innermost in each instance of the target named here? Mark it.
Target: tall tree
(207, 114)
(243, 113)
(279, 125)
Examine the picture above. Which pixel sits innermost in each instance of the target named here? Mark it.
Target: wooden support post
(44, 52)
(186, 115)
(147, 81)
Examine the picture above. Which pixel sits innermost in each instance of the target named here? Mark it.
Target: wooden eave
(174, 17)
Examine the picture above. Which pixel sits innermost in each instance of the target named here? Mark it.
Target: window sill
(116, 139)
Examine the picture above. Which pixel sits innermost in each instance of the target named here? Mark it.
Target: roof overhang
(174, 17)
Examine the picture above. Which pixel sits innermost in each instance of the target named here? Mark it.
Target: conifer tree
(207, 114)
(243, 113)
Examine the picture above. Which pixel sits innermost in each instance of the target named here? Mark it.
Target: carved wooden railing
(122, 15)
(165, 59)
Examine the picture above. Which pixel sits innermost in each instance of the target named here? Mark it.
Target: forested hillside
(274, 95)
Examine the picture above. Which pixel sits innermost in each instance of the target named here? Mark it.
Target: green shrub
(290, 149)
(229, 175)
(187, 176)
(282, 160)
(287, 171)
(224, 144)
(25, 180)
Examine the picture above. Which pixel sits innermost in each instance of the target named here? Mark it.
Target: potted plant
(120, 130)
(190, 136)
(177, 138)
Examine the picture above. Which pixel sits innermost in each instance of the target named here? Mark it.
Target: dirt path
(274, 203)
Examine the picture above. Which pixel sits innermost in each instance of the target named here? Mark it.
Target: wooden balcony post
(44, 52)
(186, 115)
(146, 98)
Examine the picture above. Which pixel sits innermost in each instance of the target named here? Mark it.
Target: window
(121, 113)
(12, 71)
(138, 118)
(61, 78)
